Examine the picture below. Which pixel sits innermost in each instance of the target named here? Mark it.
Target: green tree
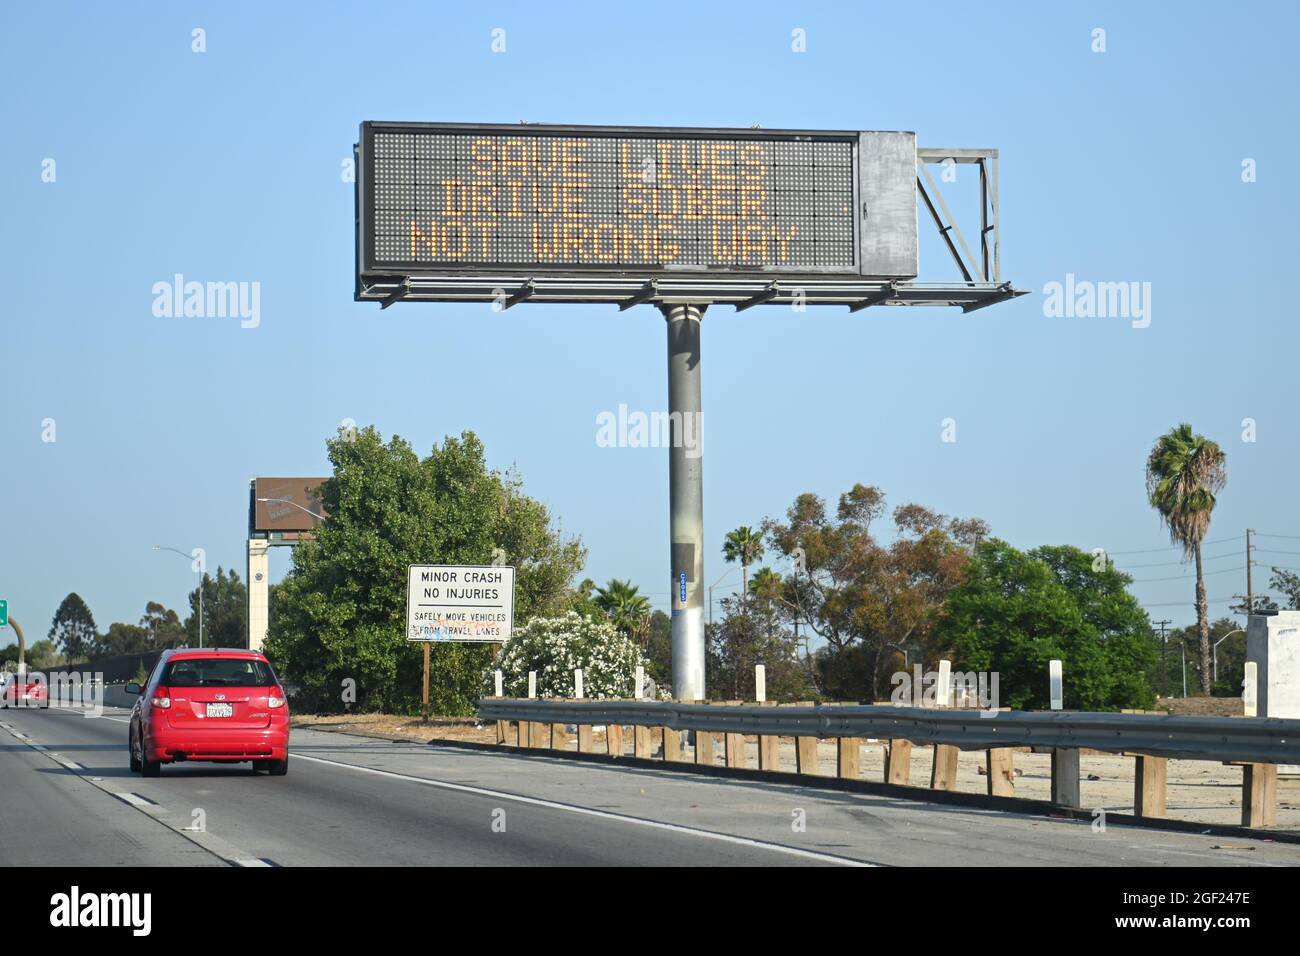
(74, 629)
(858, 590)
(1288, 582)
(1184, 473)
(124, 639)
(1017, 611)
(340, 613)
(743, 639)
(164, 626)
(746, 546)
(41, 655)
(225, 611)
(626, 607)
(659, 649)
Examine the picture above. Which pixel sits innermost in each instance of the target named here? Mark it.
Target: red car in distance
(22, 690)
(213, 704)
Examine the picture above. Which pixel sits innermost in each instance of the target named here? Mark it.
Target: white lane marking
(250, 862)
(603, 814)
(134, 799)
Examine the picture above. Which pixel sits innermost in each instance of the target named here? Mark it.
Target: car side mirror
(132, 688)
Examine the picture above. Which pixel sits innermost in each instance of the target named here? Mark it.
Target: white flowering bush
(555, 647)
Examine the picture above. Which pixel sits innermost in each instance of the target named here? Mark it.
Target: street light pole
(1216, 648)
(202, 574)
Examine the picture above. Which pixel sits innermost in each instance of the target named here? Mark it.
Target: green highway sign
(4, 613)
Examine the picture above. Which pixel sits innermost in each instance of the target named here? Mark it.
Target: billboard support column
(686, 498)
(259, 572)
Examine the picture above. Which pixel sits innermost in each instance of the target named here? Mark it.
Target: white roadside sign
(459, 602)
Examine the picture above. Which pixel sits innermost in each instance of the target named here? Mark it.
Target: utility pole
(1250, 594)
(1164, 673)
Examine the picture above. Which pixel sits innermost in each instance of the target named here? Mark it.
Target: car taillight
(276, 699)
(162, 698)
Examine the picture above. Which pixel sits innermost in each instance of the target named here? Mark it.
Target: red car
(213, 704)
(23, 690)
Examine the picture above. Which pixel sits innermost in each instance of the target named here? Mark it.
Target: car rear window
(218, 672)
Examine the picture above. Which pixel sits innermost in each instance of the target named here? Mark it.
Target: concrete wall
(1273, 643)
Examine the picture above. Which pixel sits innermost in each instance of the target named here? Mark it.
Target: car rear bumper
(271, 743)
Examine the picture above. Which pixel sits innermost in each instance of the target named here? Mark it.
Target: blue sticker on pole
(682, 586)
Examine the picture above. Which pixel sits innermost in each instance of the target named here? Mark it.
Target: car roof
(190, 653)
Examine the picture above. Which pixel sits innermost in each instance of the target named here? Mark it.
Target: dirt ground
(1198, 790)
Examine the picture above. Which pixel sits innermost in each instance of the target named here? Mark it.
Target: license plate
(221, 710)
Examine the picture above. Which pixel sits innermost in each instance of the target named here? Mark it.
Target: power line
(1208, 557)
(1170, 547)
(1185, 577)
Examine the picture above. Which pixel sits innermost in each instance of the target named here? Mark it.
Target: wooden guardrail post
(769, 751)
(641, 742)
(1149, 777)
(848, 757)
(586, 744)
(1259, 795)
(672, 745)
(559, 737)
(522, 737)
(898, 762)
(805, 749)
(1000, 764)
(614, 740)
(1065, 777)
(704, 740)
(733, 745)
(540, 734)
(943, 769)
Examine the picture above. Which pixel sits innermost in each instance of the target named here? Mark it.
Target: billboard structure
(676, 217)
(281, 512)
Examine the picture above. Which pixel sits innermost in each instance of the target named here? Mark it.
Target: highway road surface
(68, 798)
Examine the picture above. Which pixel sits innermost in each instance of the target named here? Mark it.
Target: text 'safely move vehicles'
(216, 704)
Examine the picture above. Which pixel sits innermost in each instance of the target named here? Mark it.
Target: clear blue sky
(1116, 166)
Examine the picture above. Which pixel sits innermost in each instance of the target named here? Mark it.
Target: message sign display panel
(452, 199)
(459, 603)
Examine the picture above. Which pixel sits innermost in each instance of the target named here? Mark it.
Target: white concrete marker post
(532, 684)
(499, 685)
(943, 693)
(1054, 683)
(1250, 690)
(760, 683)
(577, 684)
(640, 682)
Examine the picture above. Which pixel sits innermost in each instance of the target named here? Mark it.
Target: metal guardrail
(1253, 740)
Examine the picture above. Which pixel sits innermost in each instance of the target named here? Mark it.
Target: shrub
(556, 646)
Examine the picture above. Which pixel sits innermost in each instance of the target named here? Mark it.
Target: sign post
(458, 604)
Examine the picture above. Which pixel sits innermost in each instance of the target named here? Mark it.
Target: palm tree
(1184, 472)
(767, 587)
(746, 546)
(627, 609)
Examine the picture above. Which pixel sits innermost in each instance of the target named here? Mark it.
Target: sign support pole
(425, 709)
(686, 498)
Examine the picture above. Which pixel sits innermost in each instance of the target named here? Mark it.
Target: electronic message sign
(451, 199)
